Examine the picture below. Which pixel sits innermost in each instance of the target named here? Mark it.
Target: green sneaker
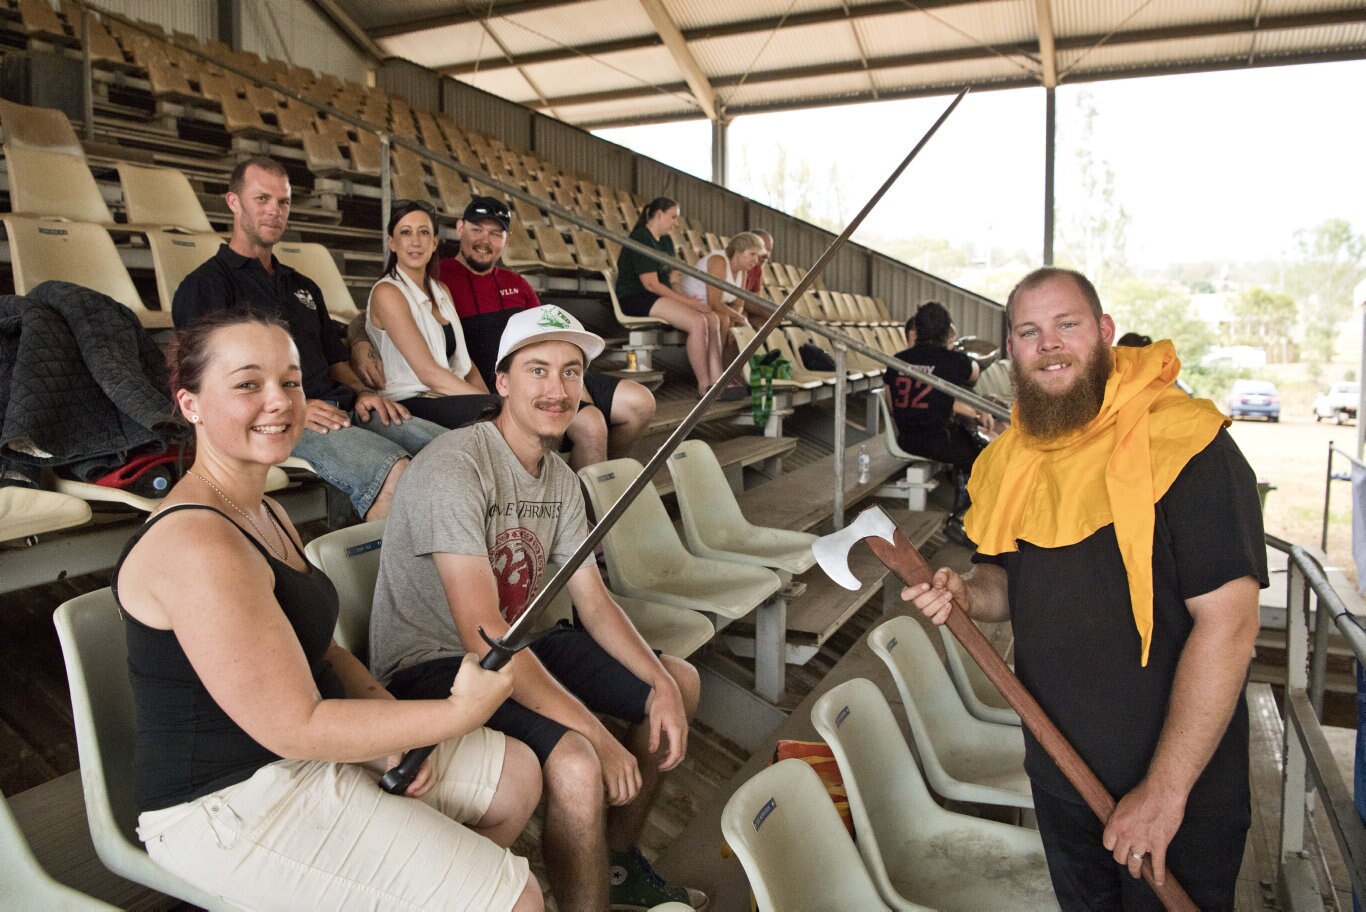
(636, 887)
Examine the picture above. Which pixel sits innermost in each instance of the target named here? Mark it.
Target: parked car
(1339, 403)
(1257, 398)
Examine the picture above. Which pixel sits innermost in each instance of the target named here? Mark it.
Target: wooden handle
(902, 558)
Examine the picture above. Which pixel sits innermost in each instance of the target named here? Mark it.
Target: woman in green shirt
(646, 288)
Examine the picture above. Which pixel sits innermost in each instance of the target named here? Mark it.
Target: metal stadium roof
(597, 63)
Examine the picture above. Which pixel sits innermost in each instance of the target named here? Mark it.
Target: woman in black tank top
(229, 630)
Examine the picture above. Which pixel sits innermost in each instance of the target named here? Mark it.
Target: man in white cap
(478, 515)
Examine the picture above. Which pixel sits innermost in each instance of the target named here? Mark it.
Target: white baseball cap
(544, 324)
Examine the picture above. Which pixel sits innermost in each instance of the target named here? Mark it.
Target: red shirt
(484, 304)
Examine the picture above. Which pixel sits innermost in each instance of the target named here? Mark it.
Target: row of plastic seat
(908, 852)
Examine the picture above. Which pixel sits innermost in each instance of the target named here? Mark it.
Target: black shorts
(450, 411)
(637, 305)
(573, 658)
(602, 389)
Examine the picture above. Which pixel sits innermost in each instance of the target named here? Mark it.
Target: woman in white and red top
(732, 264)
(412, 323)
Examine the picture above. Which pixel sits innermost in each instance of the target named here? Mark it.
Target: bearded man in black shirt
(1118, 527)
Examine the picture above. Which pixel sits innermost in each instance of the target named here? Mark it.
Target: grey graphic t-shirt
(466, 493)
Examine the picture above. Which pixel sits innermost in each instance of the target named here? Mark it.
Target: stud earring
(194, 418)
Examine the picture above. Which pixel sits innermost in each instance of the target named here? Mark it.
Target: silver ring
(1136, 856)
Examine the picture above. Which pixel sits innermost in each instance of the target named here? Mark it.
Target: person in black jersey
(259, 741)
(931, 423)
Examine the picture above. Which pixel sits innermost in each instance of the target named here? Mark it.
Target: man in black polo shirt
(354, 438)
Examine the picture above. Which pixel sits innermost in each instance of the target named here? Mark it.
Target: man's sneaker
(636, 887)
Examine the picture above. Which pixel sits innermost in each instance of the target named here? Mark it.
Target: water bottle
(865, 462)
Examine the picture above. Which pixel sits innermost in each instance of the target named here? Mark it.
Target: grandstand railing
(1309, 766)
(840, 340)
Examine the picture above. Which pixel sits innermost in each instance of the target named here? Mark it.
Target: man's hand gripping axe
(901, 557)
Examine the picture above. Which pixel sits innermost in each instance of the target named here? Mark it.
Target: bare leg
(384, 500)
(588, 434)
(701, 328)
(573, 838)
(714, 347)
(625, 823)
(519, 791)
(632, 408)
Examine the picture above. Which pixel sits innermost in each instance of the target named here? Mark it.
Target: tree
(1264, 319)
(1094, 233)
(1330, 261)
(1162, 312)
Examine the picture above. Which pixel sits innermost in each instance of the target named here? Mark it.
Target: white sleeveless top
(401, 382)
(696, 288)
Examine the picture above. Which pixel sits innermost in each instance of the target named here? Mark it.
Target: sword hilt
(397, 780)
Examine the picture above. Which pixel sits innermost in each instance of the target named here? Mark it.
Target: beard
(478, 261)
(1048, 415)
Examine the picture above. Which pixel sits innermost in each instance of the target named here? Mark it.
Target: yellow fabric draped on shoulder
(1054, 493)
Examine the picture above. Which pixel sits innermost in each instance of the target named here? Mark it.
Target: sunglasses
(486, 212)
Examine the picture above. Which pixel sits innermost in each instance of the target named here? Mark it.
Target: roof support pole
(1050, 135)
(720, 151)
(230, 23)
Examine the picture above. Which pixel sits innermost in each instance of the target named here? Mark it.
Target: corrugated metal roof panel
(690, 14)
(1098, 17)
(507, 83)
(1154, 54)
(949, 75)
(1311, 39)
(768, 51)
(819, 87)
(624, 70)
(573, 26)
(984, 42)
(436, 48)
(947, 29)
(649, 107)
(1284, 7)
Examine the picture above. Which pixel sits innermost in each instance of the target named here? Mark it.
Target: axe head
(832, 551)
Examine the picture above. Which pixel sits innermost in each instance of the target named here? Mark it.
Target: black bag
(815, 358)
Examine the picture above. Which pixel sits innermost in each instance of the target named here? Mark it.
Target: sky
(1222, 166)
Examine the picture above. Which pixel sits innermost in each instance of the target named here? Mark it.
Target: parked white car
(1339, 403)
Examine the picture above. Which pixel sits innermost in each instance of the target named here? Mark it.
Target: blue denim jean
(358, 458)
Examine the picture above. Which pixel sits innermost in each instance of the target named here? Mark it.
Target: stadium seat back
(161, 196)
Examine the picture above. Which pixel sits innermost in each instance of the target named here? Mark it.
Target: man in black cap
(612, 412)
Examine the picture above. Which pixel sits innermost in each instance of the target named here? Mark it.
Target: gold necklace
(245, 515)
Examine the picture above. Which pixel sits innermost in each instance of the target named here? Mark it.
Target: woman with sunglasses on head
(414, 327)
(259, 741)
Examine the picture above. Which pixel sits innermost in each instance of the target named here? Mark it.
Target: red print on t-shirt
(517, 559)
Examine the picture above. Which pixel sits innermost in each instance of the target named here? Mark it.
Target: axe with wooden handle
(901, 557)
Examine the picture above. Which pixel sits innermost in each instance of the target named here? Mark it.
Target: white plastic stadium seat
(716, 528)
(23, 882)
(93, 645)
(980, 696)
(25, 512)
(794, 848)
(646, 559)
(350, 558)
(162, 196)
(919, 854)
(314, 261)
(964, 758)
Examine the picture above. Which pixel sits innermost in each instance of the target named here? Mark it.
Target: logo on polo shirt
(553, 317)
(305, 298)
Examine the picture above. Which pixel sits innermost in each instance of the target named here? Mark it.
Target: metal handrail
(838, 338)
(1308, 761)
